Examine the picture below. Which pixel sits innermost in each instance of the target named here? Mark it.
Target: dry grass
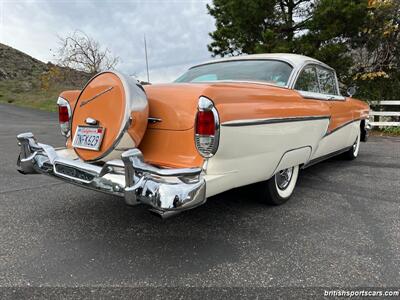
(390, 131)
(27, 95)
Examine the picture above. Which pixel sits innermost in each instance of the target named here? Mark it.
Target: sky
(176, 31)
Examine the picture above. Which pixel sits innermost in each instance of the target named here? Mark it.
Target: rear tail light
(205, 123)
(64, 116)
(207, 128)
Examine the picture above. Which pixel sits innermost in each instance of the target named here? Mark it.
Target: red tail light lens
(207, 128)
(205, 124)
(63, 114)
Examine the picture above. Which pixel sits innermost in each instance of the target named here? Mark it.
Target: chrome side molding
(154, 120)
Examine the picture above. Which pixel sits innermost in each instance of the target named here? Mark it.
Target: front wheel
(279, 188)
(352, 153)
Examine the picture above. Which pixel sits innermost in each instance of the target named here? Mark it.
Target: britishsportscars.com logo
(362, 293)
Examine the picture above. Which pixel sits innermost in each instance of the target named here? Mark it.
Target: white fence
(383, 116)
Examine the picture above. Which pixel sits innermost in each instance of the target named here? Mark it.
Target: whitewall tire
(352, 153)
(278, 189)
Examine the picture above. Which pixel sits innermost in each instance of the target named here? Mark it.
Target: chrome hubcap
(283, 178)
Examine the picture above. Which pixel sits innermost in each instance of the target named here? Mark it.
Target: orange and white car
(221, 125)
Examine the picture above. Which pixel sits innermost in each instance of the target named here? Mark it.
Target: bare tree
(81, 52)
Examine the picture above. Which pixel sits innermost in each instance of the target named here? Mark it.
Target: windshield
(270, 71)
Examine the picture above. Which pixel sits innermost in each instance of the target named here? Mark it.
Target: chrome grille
(73, 172)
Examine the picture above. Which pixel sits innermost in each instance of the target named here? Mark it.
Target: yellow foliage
(371, 75)
(390, 28)
(377, 3)
(50, 77)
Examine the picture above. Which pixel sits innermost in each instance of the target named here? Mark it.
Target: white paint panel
(294, 158)
(339, 139)
(249, 154)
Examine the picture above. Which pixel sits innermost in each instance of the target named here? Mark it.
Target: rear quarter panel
(249, 154)
(71, 96)
(252, 153)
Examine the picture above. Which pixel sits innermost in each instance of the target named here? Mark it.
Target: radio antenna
(147, 61)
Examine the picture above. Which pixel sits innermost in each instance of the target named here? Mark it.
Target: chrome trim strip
(325, 157)
(84, 102)
(271, 121)
(154, 120)
(320, 96)
(341, 126)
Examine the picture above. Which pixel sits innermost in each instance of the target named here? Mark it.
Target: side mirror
(351, 91)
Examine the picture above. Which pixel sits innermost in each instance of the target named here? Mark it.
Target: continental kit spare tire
(113, 109)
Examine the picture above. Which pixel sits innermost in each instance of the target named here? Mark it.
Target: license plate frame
(91, 131)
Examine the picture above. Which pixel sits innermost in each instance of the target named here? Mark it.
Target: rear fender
(71, 97)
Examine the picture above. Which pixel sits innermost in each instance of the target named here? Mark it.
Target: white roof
(296, 60)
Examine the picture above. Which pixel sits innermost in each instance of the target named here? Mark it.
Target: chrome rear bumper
(167, 191)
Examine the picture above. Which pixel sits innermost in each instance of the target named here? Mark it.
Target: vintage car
(255, 119)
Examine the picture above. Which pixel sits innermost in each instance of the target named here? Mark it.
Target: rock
(3, 74)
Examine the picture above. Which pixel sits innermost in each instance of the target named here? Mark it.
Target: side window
(308, 81)
(327, 81)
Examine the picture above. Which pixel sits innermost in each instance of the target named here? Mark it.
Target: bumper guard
(167, 191)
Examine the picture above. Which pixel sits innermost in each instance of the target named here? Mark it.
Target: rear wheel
(279, 188)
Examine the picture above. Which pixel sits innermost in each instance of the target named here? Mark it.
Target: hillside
(26, 81)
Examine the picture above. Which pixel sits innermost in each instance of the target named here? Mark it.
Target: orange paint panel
(170, 148)
(138, 129)
(170, 143)
(257, 101)
(234, 101)
(343, 112)
(101, 103)
(175, 104)
(71, 97)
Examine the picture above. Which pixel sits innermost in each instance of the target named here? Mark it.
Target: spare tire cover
(118, 104)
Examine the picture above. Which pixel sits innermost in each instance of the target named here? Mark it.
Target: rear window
(270, 71)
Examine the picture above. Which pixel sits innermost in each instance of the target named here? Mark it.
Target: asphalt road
(341, 228)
